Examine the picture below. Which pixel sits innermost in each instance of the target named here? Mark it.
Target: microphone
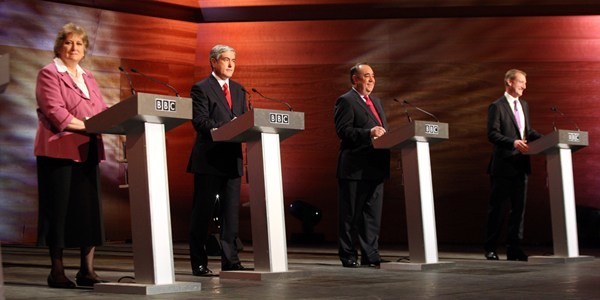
(249, 96)
(157, 81)
(276, 100)
(133, 92)
(556, 110)
(405, 110)
(422, 110)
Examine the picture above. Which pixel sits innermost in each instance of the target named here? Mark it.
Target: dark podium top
(249, 126)
(560, 139)
(416, 131)
(132, 112)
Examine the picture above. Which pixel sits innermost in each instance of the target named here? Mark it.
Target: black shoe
(491, 255)
(60, 285)
(516, 254)
(85, 281)
(201, 270)
(350, 263)
(234, 267)
(373, 264)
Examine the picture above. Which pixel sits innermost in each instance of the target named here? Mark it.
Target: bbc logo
(165, 105)
(279, 118)
(573, 137)
(432, 129)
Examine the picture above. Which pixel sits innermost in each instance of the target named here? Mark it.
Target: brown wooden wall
(452, 67)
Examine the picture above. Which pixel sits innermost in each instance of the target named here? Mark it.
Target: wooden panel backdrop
(452, 67)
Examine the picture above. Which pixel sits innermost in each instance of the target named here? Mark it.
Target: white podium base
(262, 275)
(416, 266)
(147, 289)
(267, 208)
(558, 259)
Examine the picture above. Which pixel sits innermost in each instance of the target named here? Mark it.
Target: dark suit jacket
(357, 159)
(502, 131)
(210, 110)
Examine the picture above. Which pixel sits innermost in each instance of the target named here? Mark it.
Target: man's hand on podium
(377, 131)
(521, 146)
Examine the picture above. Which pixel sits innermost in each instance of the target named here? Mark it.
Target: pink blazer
(59, 100)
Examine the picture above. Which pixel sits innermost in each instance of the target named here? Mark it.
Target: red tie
(372, 107)
(227, 95)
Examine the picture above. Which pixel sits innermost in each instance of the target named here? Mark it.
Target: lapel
(364, 105)
(235, 105)
(218, 92)
(525, 108)
(379, 110)
(511, 114)
(66, 78)
(92, 87)
(361, 103)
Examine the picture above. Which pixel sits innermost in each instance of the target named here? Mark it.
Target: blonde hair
(511, 74)
(69, 28)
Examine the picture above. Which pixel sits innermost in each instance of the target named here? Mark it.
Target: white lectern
(557, 146)
(263, 130)
(413, 140)
(144, 118)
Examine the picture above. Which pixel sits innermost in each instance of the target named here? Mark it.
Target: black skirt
(70, 211)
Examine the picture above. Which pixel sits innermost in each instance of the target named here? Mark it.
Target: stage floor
(470, 277)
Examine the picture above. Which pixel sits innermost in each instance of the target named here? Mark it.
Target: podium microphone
(157, 81)
(133, 92)
(405, 110)
(275, 100)
(556, 110)
(422, 110)
(249, 96)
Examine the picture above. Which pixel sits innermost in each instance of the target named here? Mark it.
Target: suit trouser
(360, 204)
(505, 189)
(206, 189)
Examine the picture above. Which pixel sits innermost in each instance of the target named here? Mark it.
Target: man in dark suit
(509, 131)
(359, 118)
(217, 166)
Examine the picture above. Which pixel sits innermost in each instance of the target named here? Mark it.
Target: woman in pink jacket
(70, 211)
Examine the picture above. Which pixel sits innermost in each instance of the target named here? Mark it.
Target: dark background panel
(448, 58)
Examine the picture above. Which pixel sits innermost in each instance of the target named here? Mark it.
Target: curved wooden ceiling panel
(204, 11)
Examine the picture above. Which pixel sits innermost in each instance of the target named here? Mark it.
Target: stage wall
(452, 67)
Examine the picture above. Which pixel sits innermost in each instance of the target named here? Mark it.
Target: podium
(413, 140)
(263, 130)
(558, 147)
(144, 118)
